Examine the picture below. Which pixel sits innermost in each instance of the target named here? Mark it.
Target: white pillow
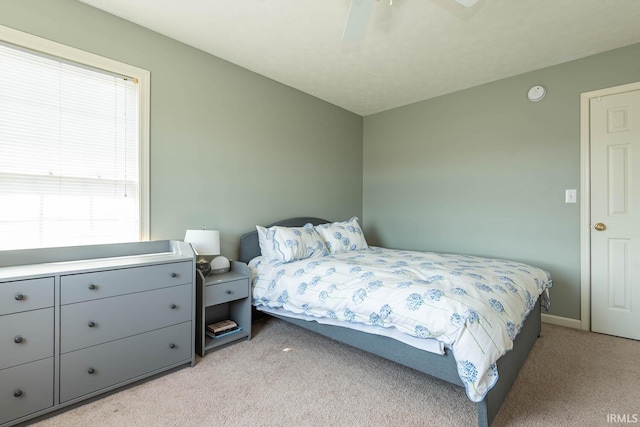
(343, 236)
(288, 244)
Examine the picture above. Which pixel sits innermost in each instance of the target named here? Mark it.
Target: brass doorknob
(600, 226)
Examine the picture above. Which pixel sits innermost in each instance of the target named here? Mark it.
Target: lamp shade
(204, 242)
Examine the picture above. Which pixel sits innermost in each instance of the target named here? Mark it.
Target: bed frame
(439, 366)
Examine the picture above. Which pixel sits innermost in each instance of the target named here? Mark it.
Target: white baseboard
(561, 321)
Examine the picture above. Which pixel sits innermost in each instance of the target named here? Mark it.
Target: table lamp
(205, 243)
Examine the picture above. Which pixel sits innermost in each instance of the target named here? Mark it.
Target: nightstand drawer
(26, 337)
(225, 292)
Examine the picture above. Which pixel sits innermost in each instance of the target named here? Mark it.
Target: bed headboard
(250, 247)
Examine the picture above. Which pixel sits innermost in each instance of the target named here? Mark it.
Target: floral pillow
(288, 244)
(343, 236)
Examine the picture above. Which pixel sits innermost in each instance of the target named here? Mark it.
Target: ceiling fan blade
(467, 3)
(357, 20)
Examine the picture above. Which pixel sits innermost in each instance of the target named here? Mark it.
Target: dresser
(78, 322)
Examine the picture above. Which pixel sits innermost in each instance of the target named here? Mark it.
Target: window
(73, 146)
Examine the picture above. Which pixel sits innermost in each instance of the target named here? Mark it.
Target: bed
(435, 359)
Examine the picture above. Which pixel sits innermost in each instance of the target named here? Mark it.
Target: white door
(615, 214)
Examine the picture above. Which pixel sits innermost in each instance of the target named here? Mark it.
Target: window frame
(81, 57)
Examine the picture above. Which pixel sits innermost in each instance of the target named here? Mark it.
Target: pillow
(343, 236)
(288, 244)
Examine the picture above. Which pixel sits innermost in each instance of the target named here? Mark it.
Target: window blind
(69, 147)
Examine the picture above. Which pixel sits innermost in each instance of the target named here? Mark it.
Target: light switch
(570, 196)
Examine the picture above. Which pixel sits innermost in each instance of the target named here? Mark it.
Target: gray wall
(484, 171)
(229, 148)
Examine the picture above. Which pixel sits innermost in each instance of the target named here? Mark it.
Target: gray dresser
(78, 322)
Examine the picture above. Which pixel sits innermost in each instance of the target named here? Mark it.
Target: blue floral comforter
(474, 305)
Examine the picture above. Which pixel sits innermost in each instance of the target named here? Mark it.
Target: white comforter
(474, 305)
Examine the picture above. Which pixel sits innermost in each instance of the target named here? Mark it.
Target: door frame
(585, 199)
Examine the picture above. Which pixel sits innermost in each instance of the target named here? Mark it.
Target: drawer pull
(172, 345)
(91, 324)
(92, 287)
(228, 291)
(18, 339)
(19, 297)
(174, 274)
(17, 393)
(173, 306)
(91, 371)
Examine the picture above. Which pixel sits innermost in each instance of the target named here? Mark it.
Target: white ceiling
(411, 51)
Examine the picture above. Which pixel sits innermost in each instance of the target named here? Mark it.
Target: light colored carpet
(286, 376)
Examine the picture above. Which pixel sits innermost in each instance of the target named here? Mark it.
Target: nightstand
(220, 297)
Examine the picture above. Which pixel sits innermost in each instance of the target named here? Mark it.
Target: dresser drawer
(24, 295)
(102, 284)
(225, 292)
(95, 322)
(26, 389)
(95, 368)
(26, 337)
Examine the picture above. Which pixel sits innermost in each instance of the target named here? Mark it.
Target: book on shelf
(223, 327)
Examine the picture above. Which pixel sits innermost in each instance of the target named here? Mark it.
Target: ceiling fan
(358, 17)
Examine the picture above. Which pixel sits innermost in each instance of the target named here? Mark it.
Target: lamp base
(204, 267)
